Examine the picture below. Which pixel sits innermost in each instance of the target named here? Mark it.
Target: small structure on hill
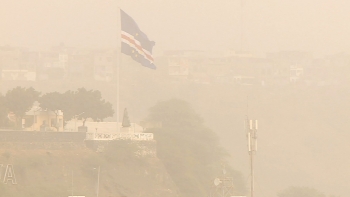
(105, 131)
(38, 119)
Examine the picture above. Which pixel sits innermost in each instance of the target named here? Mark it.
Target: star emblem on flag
(134, 42)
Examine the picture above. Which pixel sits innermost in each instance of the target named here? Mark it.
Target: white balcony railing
(119, 136)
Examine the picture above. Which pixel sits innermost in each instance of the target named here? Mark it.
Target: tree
(52, 101)
(90, 104)
(126, 121)
(68, 107)
(190, 151)
(3, 111)
(20, 100)
(300, 192)
(85, 103)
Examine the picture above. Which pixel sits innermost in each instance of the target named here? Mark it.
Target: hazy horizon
(313, 26)
(301, 104)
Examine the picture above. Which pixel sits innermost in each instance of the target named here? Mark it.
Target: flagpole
(118, 90)
(118, 69)
(140, 56)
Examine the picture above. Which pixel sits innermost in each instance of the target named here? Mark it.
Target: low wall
(37, 136)
(30, 140)
(145, 148)
(42, 145)
(119, 136)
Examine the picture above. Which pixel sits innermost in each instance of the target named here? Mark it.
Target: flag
(135, 43)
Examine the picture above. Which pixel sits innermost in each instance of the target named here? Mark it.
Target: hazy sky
(321, 26)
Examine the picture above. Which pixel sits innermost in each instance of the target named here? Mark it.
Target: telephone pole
(251, 127)
(98, 181)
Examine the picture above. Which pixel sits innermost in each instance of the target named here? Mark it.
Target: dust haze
(316, 26)
(283, 63)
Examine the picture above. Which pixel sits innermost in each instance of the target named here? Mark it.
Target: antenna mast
(251, 127)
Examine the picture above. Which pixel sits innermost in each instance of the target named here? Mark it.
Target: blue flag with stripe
(135, 43)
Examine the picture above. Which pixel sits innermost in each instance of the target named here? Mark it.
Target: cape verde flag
(134, 42)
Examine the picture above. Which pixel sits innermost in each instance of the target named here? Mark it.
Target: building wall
(25, 136)
(34, 122)
(145, 148)
(103, 66)
(24, 140)
(9, 58)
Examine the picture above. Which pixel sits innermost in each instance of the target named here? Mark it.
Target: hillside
(302, 136)
(55, 173)
(302, 129)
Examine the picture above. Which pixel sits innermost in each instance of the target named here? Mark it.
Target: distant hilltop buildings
(58, 63)
(244, 68)
(178, 66)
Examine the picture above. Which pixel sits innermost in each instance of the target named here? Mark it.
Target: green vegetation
(20, 100)
(52, 101)
(3, 113)
(42, 173)
(87, 103)
(123, 151)
(189, 150)
(126, 120)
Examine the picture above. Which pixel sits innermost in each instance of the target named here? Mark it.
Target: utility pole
(98, 181)
(72, 182)
(251, 127)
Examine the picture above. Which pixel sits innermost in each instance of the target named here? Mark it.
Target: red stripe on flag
(137, 46)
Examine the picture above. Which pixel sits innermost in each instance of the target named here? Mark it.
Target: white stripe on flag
(144, 52)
